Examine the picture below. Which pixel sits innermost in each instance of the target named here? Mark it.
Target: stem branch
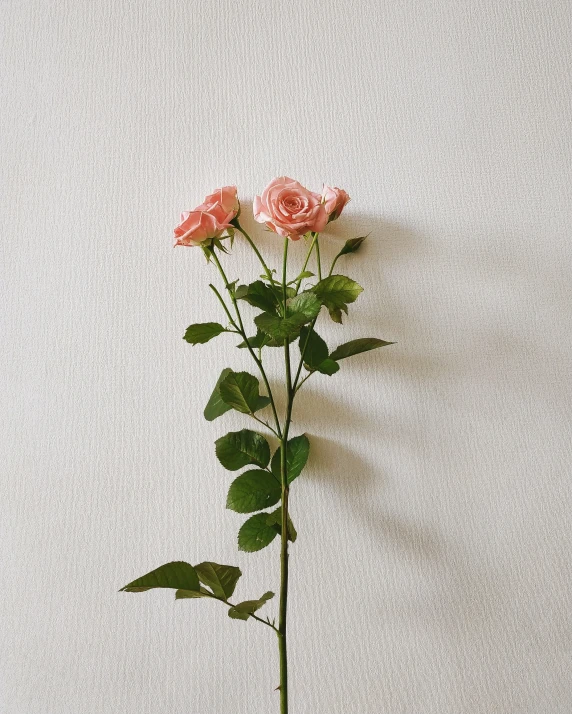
(248, 345)
(282, 617)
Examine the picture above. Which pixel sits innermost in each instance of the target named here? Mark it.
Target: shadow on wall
(474, 613)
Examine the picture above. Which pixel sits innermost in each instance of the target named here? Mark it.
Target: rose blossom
(210, 219)
(289, 209)
(222, 204)
(197, 227)
(334, 201)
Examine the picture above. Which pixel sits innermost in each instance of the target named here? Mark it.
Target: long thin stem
(305, 347)
(283, 605)
(255, 249)
(302, 381)
(248, 345)
(302, 355)
(332, 266)
(308, 254)
(318, 260)
(284, 274)
(264, 423)
(224, 307)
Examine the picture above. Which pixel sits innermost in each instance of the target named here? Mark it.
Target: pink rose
(289, 209)
(210, 219)
(197, 227)
(222, 204)
(334, 201)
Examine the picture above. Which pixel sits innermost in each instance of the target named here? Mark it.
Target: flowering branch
(287, 316)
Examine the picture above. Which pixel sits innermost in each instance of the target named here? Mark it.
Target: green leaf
(221, 579)
(192, 594)
(245, 609)
(328, 366)
(354, 347)
(261, 340)
(203, 332)
(336, 314)
(253, 491)
(255, 534)
(279, 294)
(240, 292)
(171, 575)
(219, 245)
(231, 287)
(261, 295)
(240, 391)
(262, 402)
(303, 274)
(306, 304)
(297, 452)
(316, 350)
(280, 328)
(275, 520)
(352, 245)
(215, 406)
(257, 341)
(336, 292)
(240, 448)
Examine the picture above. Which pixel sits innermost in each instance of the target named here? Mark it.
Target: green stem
(308, 254)
(335, 260)
(226, 602)
(282, 617)
(302, 355)
(222, 302)
(255, 249)
(284, 276)
(318, 258)
(305, 347)
(264, 423)
(248, 345)
(302, 382)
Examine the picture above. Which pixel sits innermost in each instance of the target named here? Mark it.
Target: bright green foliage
(203, 332)
(255, 534)
(354, 347)
(240, 448)
(221, 579)
(171, 575)
(245, 609)
(297, 452)
(253, 491)
(216, 407)
(239, 390)
(336, 292)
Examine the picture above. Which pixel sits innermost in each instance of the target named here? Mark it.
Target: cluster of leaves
(287, 315)
(261, 487)
(205, 580)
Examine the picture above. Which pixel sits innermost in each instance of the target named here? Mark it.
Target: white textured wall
(432, 572)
